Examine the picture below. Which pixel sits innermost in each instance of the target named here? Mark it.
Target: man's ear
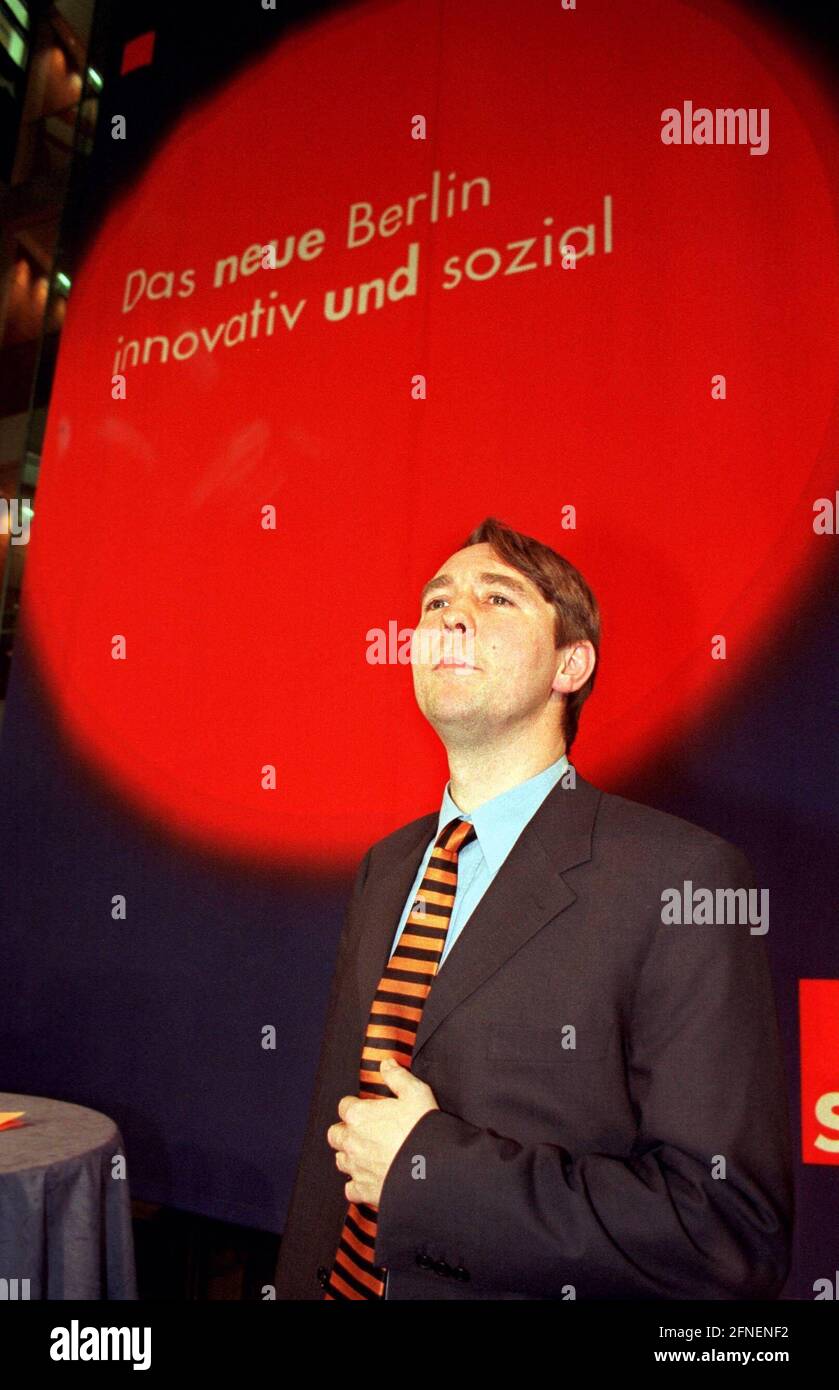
(575, 665)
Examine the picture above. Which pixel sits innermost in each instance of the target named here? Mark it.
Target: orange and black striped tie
(392, 1032)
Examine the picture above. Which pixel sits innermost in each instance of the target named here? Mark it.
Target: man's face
(506, 629)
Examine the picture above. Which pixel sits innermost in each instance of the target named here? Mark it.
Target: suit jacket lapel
(527, 892)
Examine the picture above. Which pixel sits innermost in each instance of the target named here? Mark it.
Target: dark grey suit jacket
(651, 1160)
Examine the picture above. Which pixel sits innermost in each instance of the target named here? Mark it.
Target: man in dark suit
(595, 1105)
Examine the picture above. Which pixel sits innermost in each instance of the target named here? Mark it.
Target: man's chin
(448, 712)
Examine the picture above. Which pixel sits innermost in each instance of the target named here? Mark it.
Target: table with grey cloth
(65, 1221)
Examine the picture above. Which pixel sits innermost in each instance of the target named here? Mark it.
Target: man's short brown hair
(576, 614)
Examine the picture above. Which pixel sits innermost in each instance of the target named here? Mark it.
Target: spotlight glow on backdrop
(546, 388)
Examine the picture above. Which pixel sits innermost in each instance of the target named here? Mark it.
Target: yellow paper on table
(10, 1118)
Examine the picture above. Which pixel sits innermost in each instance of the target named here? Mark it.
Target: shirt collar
(499, 821)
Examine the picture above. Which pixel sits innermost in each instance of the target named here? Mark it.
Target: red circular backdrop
(547, 388)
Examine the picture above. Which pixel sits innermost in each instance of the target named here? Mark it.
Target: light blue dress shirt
(498, 824)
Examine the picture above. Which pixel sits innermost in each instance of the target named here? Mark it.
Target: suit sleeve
(700, 1209)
